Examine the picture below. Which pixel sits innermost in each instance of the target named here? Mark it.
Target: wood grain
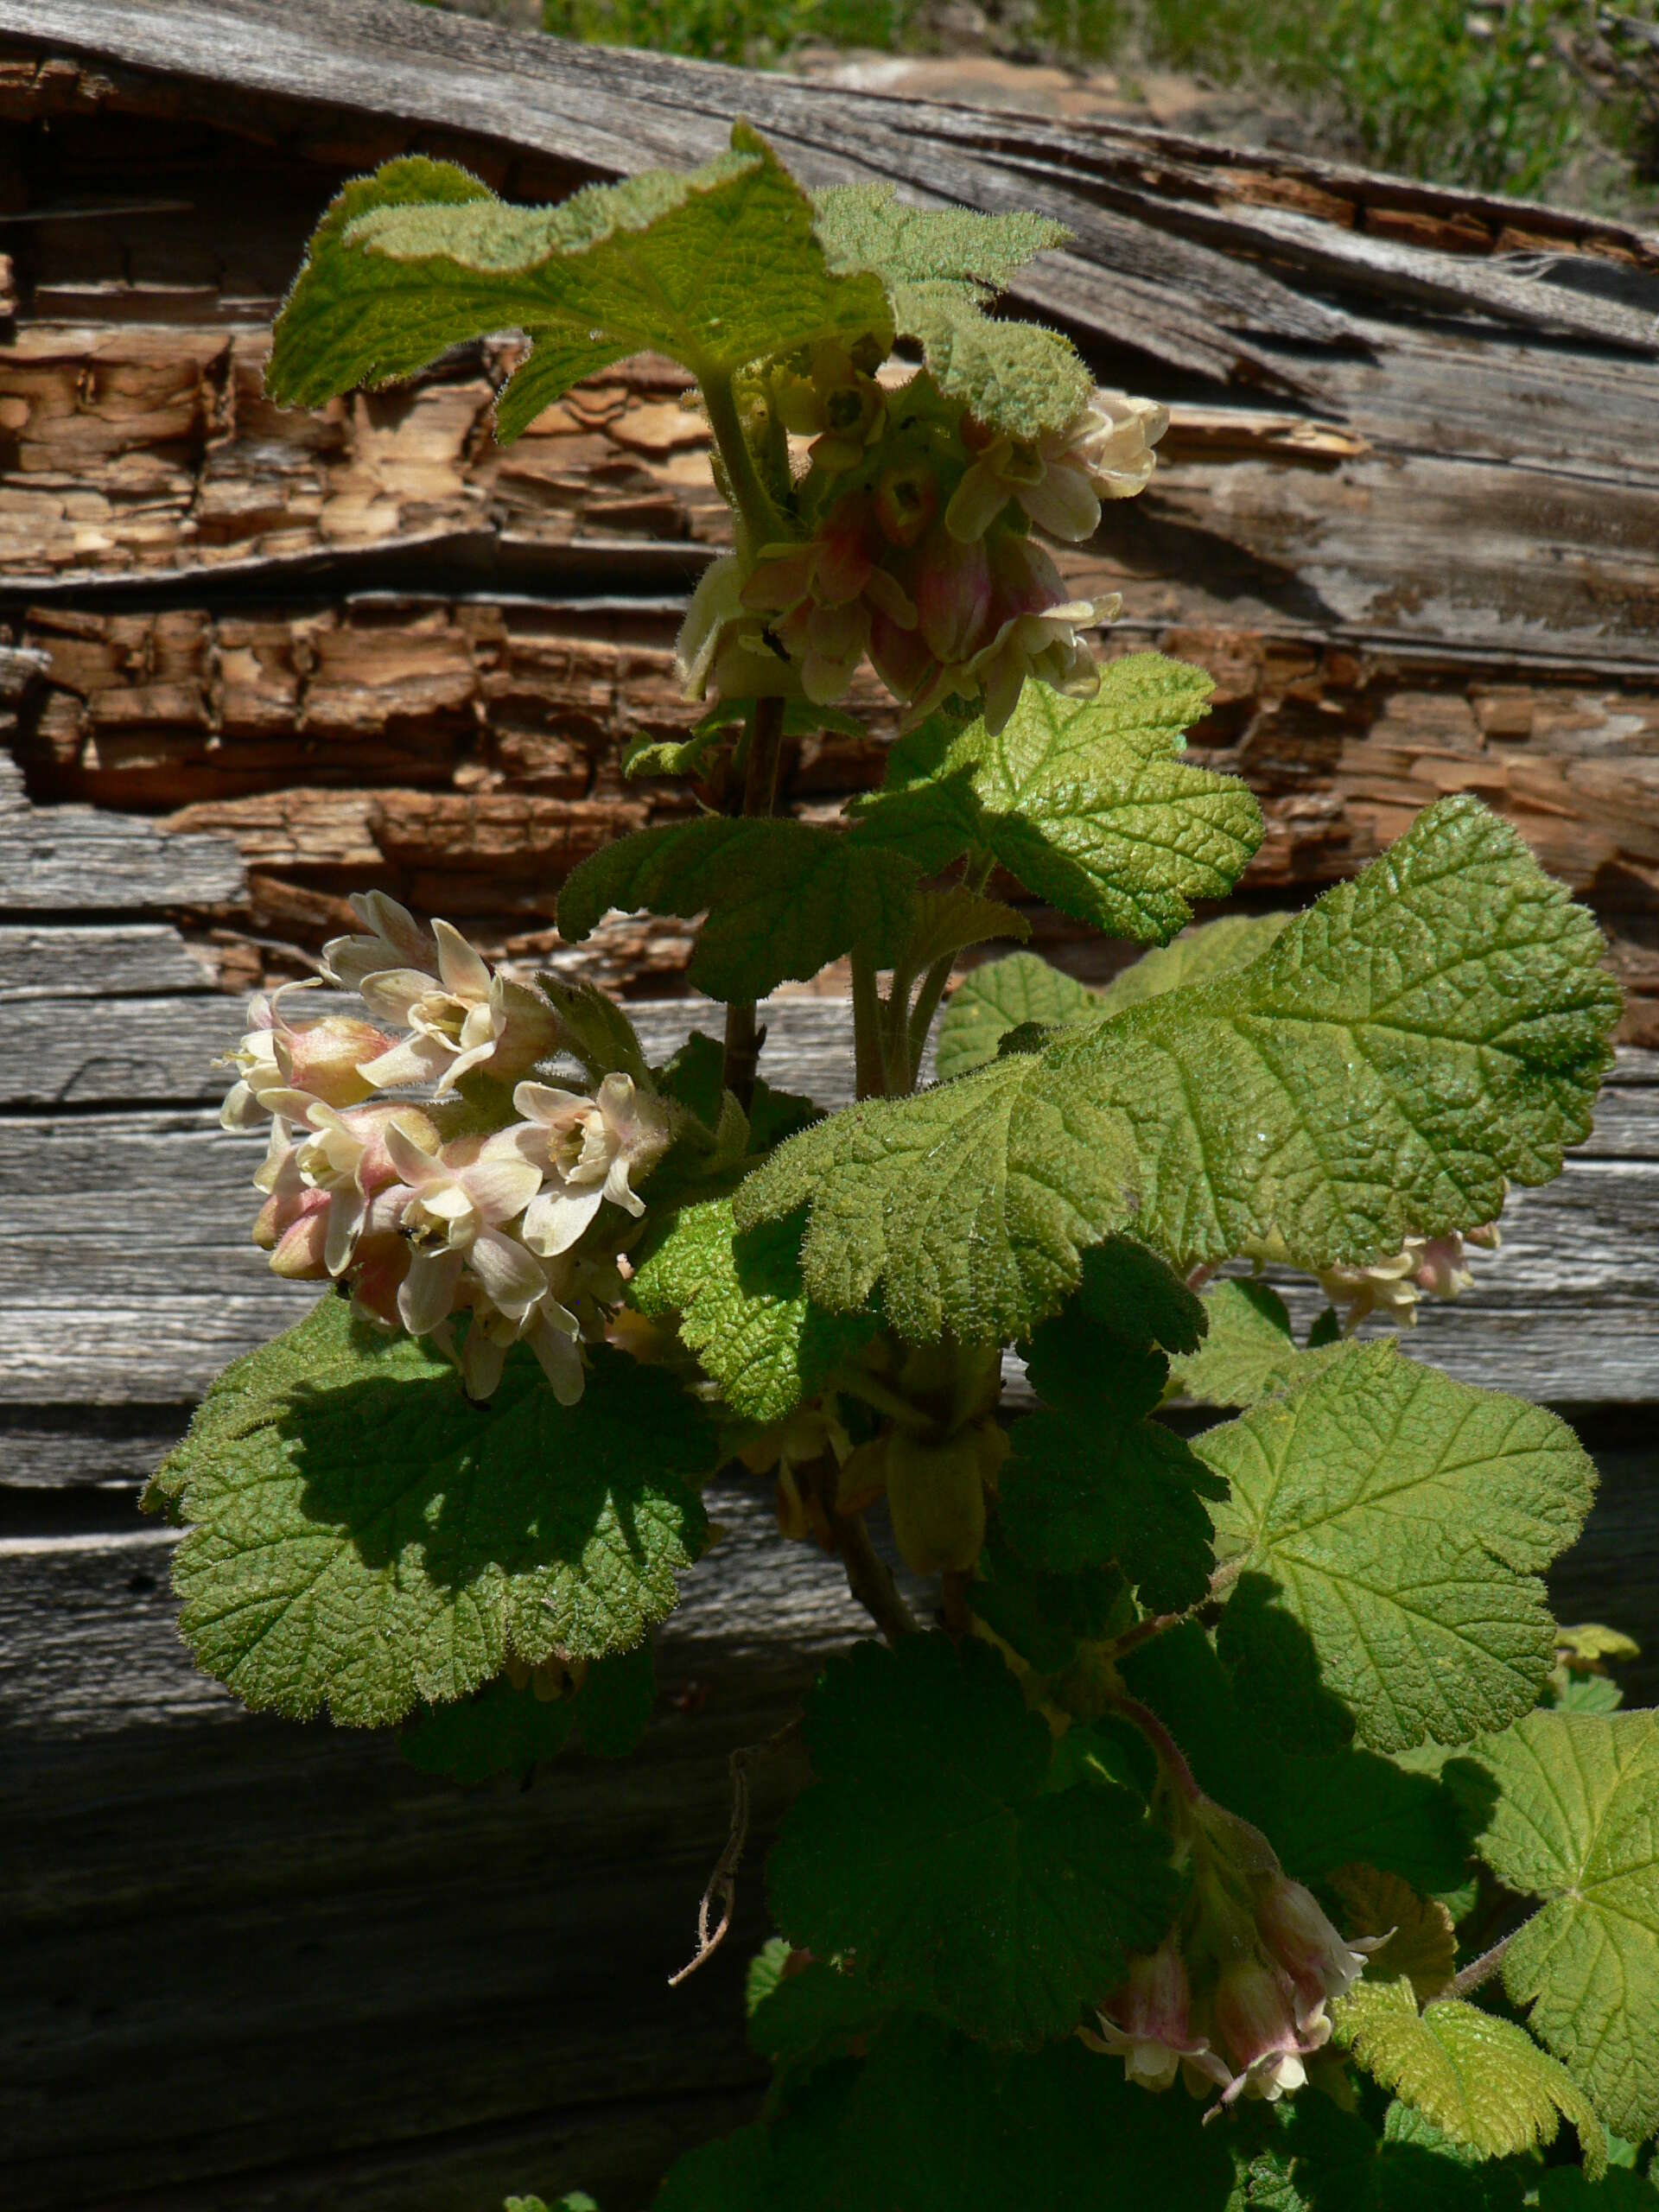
(250, 661)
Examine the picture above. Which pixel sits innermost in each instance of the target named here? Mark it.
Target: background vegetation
(1552, 97)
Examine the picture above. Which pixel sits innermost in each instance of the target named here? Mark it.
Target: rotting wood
(1427, 563)
(366, 642)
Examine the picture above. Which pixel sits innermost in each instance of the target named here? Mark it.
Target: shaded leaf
(1397, 1520)
(997, 1903)
(783, 898)
(381, 1540)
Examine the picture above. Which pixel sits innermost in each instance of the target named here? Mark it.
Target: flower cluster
(1433, 1266)
(463, 1203)
(920, 555)
(1235, 1997)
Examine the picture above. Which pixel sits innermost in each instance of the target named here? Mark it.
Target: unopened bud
(936, 1494)
(323, 1059)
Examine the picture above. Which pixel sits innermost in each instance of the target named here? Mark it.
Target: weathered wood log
(1408, 515)
(1409, 521)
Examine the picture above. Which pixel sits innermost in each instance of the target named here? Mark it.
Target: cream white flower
(319, 1059)
(587, 1148)
(461, 1195)
(1394, 1287)
(1060, 477)
(391, 938)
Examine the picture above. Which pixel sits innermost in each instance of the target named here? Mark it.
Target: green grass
(1487, 96)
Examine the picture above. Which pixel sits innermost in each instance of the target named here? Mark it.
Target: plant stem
(870, 1064)
(1481, 1970)
(884, 1400)
(1171, 1756)
(1144, 1631)
(927, 1005)
(755, 510)
(870, 1580)
(757, 797)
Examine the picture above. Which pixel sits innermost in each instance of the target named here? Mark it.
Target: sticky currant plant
(1246, 1755)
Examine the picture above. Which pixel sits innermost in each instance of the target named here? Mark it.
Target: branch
(723, 1883)
(759, 791)
(870, 1578)
(1481, 1970)
(1171, 1756)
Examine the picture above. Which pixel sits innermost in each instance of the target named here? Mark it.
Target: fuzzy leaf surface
(508, 1730)
(1419, 1037)
(1397, 1521)
(783, 898)
(1199, 955)
(1480, 2080)
(743, 1310)
(1006, 995)
(713, 267)
(1086, 801)
(866, 227)
(380, 1540)
(1577, 1824)
(930, 1847)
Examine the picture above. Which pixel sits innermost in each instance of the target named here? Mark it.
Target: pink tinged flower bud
(323, 1059)
(846, 546)
(1254, 2014)
(1440, 1269)
(953, 596)
(300, 1253)
(1321, 1964)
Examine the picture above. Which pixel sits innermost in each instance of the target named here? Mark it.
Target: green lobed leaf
(814, 2015)
(866, 227)
(1392, 1522)
(930, 1847)
(742, 1309)
(1319, 1813)
(1480, 2080)
(378, 1538)
(1016, 378)
(1320, 2158)
(1043, 1617)
(502, 1730)
(933, 2123)
(1006, 994)
(783, 898)
(714, 267)
(1421, 1037)
(1001, 996)
(1577, 1823)
(1086, 801)
(1249, 1353)
(1095, 1482)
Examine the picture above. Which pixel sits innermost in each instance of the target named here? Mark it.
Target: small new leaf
(376, 1539)
(1479, 2079)
(508, 1730)
(714, 267)
(1199, 955)
(783, 898)
(1577, 1824)
(1086, 801)
(1095, 1482)
(931, 1849)
(1419, 1037)
(743, 1310)
(1002, 997)
(1249, 1353)
(1393, 1523)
